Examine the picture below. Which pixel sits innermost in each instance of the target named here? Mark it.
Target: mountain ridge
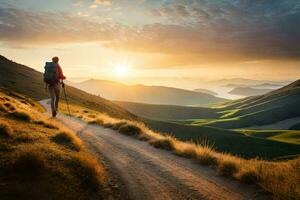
(147, 94)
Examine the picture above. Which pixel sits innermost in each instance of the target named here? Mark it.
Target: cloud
(103, 2)
(19, 27)
(199, 31)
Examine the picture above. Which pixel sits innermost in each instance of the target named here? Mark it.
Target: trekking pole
(66, 98)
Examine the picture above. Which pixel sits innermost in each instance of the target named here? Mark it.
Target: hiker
(53, 77)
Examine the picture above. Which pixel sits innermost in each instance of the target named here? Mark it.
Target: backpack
(51, 73)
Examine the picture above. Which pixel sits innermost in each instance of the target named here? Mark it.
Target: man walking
(53, 77)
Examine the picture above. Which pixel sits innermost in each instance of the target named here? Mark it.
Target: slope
(42, 159)
(272, 107)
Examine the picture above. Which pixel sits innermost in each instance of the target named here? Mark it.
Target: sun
(121, 70)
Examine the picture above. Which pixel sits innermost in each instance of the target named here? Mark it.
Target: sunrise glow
(121, 70)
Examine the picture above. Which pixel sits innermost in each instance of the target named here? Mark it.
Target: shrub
(130, 129)
(5, 129)
(29, 164)
(227, 168)
(69, 140)
(21, 115)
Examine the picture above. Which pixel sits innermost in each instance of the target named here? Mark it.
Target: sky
(155, 42)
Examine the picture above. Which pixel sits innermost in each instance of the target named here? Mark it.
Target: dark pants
(54, 90)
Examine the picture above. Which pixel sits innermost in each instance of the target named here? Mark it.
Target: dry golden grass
(21, 115)
(68, 139)
(5, 129)
(281, 179)
(43, 159)
(28, 164)
(89, 171)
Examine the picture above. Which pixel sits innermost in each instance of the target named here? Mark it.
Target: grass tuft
(9, 106)
(29, 164)
(130, 129)
(227, 168)
(46, 124)
(3, 108)
(96, 121)
(5, 129)
(248, 177)
(88, 171)
(21, 115)
(163, 143)
(116, 126)
(206, 157)
(68, 139)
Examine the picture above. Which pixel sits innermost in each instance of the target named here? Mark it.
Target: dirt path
(144, 172)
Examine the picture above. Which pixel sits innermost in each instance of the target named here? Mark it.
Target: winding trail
(143, 172)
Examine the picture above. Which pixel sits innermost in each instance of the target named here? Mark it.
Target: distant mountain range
(147, 94)
(206, 91)
(240, 82)
(248, 91)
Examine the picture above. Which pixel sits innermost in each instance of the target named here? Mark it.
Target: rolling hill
(206, 91)
(265, 109)
(27, 81)
(249, 91)
(168, 112)
(146, 94)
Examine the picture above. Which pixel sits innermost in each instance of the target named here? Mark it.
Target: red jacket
(60, 72)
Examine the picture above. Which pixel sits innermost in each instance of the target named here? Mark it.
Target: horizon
(155, 42)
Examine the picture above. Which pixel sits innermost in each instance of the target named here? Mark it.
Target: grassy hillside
(288, 136)
(233, 142)
(249, 91)
(24, 80)
(147, 94)
(295, 127)
(42, 159)
(168, 112)
(275, 106)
